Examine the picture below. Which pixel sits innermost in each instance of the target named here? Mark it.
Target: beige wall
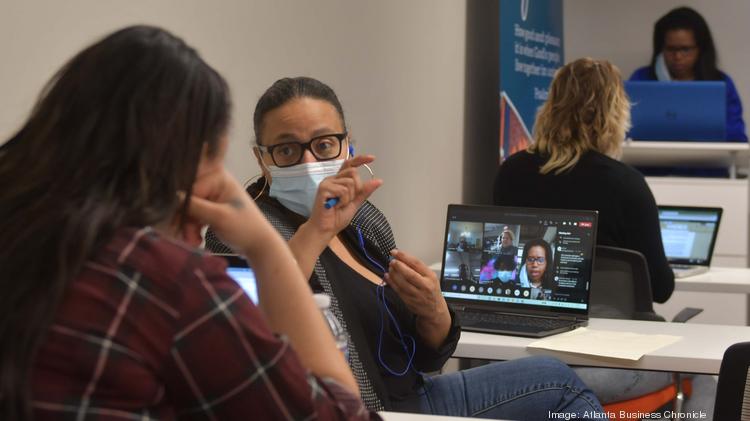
(621, 31)
(398, 67)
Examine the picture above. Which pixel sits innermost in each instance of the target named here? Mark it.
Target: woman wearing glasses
(398, 330)
(537, 258)
(683, 51)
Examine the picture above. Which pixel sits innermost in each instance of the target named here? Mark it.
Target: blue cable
(380, 292)
(409, 354)
(364, 250)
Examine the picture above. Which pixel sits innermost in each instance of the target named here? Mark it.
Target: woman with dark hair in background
(683, 51)
(389, 302)
(108, 310)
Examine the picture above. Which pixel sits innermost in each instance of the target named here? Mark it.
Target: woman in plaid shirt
(108, 310)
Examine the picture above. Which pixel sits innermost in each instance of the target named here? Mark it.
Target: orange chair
(621, 289)
(653, 402)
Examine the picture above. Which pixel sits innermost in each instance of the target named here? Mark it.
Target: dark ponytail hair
(116, 133)
(689, 19)
(287, 89)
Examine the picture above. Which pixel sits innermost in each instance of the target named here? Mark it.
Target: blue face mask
(505, 275)
(295, 187)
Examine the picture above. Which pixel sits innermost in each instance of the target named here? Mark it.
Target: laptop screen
(689, 233)
(677, 110)
(238, 269)
(534, 258)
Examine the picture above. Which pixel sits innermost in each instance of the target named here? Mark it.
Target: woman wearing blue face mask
(397, 330)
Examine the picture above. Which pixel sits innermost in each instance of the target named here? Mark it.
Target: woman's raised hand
(351, 192)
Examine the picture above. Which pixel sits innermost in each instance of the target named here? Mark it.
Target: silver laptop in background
(239, 270)
(494, 286)
(689, 235)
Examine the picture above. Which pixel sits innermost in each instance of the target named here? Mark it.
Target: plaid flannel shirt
(152, 329)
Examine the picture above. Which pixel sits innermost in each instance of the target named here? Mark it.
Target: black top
(356, 298)
(628, 216)
(370, 312)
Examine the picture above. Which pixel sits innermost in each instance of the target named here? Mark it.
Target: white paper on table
(605, 343)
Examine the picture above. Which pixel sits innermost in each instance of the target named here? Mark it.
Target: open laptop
(490, 286)
(678, 110)
(239, 270)
(689, 235)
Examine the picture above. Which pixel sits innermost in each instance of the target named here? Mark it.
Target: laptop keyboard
(683, 271)
(681, 267)
(511, 322)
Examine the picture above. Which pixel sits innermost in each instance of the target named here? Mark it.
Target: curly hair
(587, 109)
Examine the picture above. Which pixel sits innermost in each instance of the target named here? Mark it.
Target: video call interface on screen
(522, 259)
(687, 234)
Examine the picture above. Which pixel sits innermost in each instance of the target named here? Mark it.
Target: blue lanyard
(408, 343)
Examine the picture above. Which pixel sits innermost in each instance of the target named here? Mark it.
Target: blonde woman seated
(573, 164)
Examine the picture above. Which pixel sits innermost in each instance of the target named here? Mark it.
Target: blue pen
(331, 202)
(335, 200)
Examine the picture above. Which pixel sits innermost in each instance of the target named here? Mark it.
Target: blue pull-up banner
(531, 49)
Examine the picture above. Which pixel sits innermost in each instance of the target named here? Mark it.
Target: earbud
(351, 150)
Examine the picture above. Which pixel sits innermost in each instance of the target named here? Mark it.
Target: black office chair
(621, 289)
(733, 391)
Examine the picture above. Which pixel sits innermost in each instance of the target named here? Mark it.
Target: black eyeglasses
(684, 50)
(323, 148)
(539, 260)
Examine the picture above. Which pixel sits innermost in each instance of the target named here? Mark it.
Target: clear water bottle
(324, 304)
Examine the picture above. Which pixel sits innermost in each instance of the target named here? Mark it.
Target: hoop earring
(250, 181)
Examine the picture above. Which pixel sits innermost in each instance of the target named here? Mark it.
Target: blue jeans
(535, 388)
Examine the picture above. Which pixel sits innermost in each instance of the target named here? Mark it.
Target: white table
(699, 351)
(719, 279)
